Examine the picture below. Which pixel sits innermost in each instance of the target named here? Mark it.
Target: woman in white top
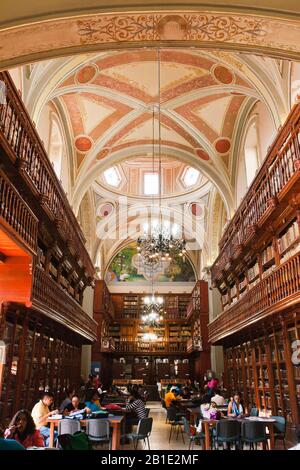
(218, 399)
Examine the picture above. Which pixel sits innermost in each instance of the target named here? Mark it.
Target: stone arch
(54, 34)
(220, 181)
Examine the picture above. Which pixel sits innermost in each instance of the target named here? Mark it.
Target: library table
(115, 423)
(207, 423)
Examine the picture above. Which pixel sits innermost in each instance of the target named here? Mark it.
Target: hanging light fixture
(159, 245)
(152, 312)
(150, 337)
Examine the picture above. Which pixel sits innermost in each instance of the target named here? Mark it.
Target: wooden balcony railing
(49, 298)
(281, 166)
(275, 292)
(21, 142)
(16, 216)
(150, 347)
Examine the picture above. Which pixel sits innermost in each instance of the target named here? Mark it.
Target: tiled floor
(159, 439)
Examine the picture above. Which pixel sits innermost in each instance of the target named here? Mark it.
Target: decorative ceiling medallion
(223, 74)
(83, 143)
(172, 27)
(103, 153)
(196, 209)
(106, 209)
(222, 145)
(86, 74)
(202, 154)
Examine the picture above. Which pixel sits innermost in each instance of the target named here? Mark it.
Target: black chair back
(253, 431)
(144, 427)
(172, 414)
(227, 429)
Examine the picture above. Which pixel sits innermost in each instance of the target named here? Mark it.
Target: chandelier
(152, 312)
(150, 337)
(159, 245)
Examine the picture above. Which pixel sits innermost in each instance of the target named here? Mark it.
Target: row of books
(289, 237)
(233, 291)
(253, 272)
(267, 254)
(294, 249)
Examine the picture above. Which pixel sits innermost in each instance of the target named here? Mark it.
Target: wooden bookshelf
(257, 273)
(261, 370)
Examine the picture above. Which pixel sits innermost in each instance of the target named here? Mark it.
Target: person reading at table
(23, 430)
(235, 408)
(40, 414)
(186, 394)
(76, 406)
(92, 400)
(218, 398)
(136, 405)
(171, 395)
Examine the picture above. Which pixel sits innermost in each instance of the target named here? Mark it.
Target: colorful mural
(127, 266)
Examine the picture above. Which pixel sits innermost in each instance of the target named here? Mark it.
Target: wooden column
(21, 365)
(270, 376)
(290, 374)
(9, 359)
(256, 391)
(277, 358)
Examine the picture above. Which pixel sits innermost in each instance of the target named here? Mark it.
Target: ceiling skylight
(112, 176)
(190, 176)
(151, 181)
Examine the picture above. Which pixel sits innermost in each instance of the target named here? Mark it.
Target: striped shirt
(138, 406)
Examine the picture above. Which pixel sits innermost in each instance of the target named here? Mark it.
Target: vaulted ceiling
(108, 104)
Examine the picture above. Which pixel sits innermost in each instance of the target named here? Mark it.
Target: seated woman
(137, 406)
(92, 400)
(75, 406)
(218, 398)
(23, 430)
(235, 408)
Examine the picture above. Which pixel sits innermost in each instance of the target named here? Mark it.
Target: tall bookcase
(261, 370)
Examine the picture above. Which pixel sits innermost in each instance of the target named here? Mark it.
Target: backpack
(77, 441)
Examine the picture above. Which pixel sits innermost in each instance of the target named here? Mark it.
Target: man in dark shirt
(75, 406)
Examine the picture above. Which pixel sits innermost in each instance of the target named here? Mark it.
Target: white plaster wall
(44, 127)
(265, 129)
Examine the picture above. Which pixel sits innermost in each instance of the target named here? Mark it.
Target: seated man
(76, 406)
(41, 413)
(186, 394)
(171, 395)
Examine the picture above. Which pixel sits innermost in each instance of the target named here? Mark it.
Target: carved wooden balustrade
(280, 169)
(150, 347)
(275, 292)
(22, 144)
(16, 216)
(52, 300)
